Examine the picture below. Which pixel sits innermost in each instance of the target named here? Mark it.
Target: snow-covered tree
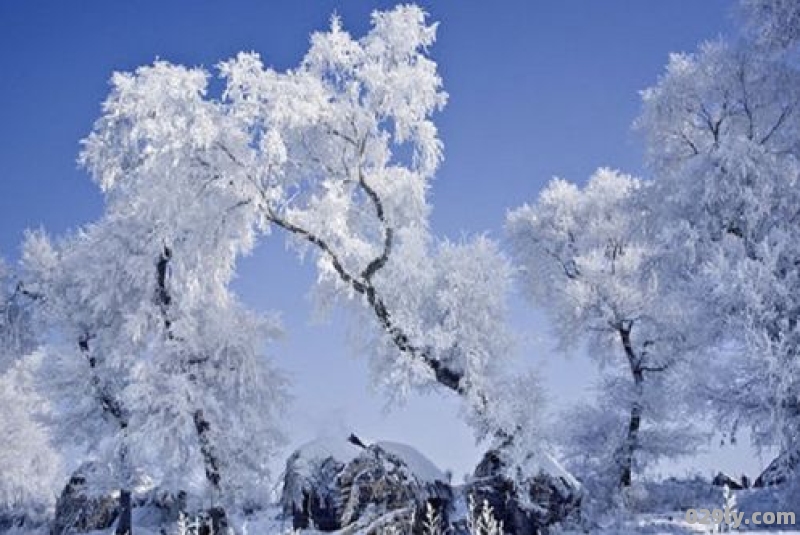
(772, 24)
(722, 135)
(585, 258)
(29, 466)
(97, 313)
(157, 352)
(17, 332)
(161, 368)
(589, 435)
(338, 153)
(207, 381)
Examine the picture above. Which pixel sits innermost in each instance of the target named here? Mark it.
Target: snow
(344, 452)
(265, 523)
(421, 466)
(668, 523)
(323, 448)
(339, 153)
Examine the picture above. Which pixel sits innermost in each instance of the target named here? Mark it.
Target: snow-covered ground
(668, 524)
(645, 524)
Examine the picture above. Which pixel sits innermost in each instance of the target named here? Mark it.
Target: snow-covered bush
(481, 519)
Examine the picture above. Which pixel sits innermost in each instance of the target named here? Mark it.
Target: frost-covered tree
(160, 371)
(161, 360)
(722, 135)
(772, 24)
(338, 153)
(94, 313)
(589, 435)
(18, 335)
(586, 260)
(208, 381)
(29, 466)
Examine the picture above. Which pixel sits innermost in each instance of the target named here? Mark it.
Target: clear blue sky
(537, 88)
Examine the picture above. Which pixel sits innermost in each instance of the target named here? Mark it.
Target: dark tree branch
(569, 267)
(362, 284)
(110, 405)
(388, 232)
(211, 461)
(113, 407)
(746, 103)
(692, 146)
(163, 297)
(655, 369)
(787, 110)
(20, 289)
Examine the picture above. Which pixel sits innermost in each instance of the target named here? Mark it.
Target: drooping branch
(445, 376)
(363, 282)
(326, 249)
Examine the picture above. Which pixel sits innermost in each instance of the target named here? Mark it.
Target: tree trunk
(219, 519)
(632, 439)
(631, 443)
(211, 464)
(210, 461)
(113, 407)
(125, 522)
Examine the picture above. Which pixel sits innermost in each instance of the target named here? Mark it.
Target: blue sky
(537, 88)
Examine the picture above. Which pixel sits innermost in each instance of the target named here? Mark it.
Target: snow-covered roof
(420, 466)
(343, 451)
(340, 449)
